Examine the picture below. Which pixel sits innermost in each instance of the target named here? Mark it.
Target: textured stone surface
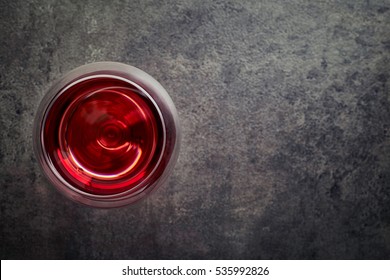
(285, 112)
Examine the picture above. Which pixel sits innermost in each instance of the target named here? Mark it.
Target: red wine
(102, 136)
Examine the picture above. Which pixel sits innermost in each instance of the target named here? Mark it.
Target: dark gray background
(285, 116)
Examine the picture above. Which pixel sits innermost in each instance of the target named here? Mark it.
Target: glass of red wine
(106, 134)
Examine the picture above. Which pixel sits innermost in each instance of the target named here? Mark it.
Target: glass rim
(161, 101)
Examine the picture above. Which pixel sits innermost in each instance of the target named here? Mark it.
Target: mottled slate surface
(285, 116)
